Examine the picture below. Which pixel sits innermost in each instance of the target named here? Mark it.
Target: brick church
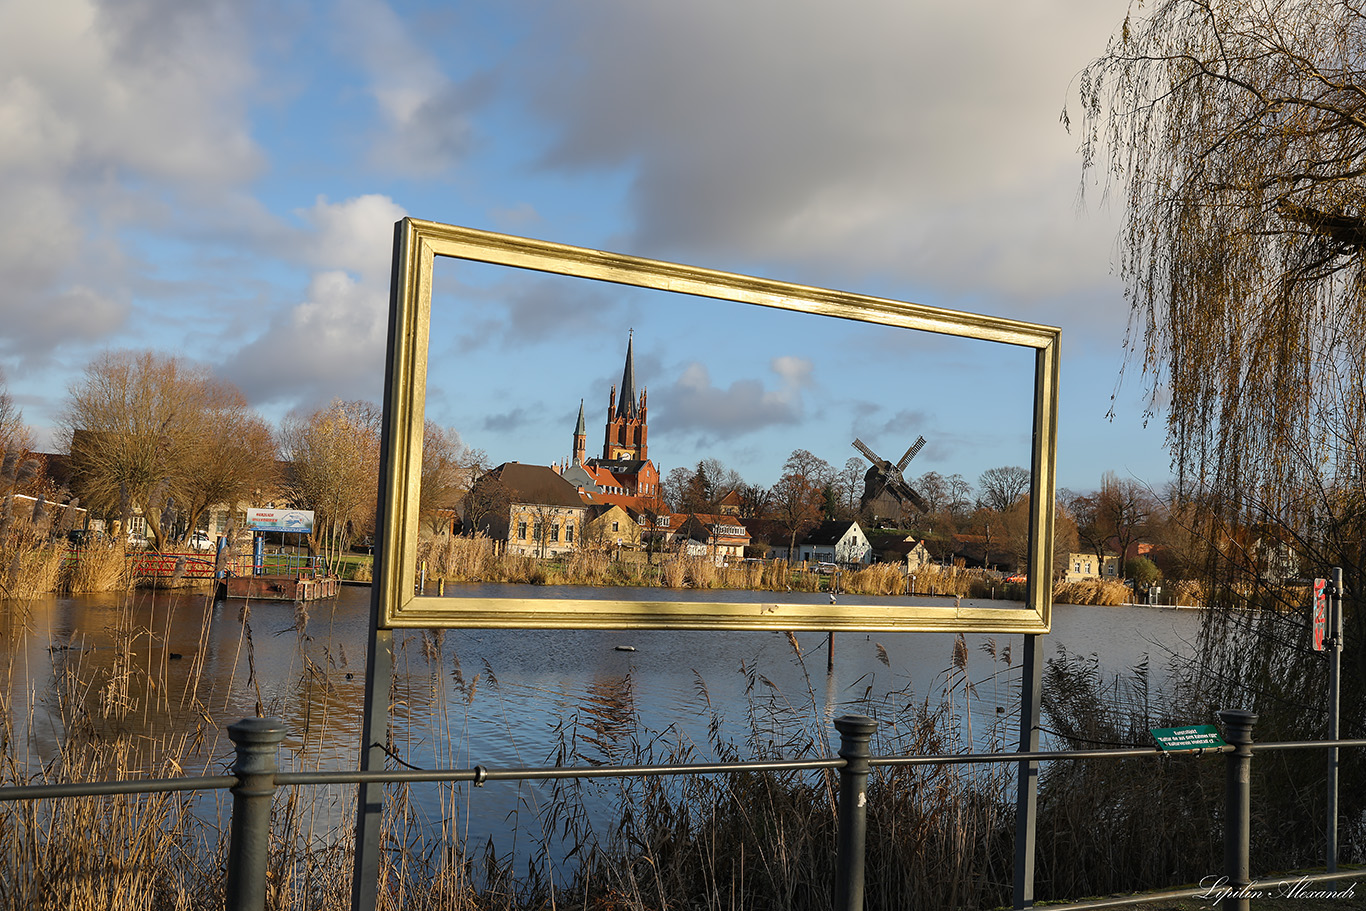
(624, 471)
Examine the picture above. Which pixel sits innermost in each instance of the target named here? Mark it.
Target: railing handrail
(255, 777)
(480, 773)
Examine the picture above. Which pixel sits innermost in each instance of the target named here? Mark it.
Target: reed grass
(1093, 591)
(878, 579)
(938, 836)
(748, 841)
(99, 566)
(32, 566)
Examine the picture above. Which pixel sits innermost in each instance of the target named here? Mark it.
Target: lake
(170, 670)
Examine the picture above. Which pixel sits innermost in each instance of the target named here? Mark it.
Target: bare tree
(236, 455)
(485, 508)
(959, 496)
(755, 501)
(333, 456)
(13, 431)
(723, 479)
(1000, 488)
(934, 487)
(849, 484)
(675, 485)
(449, 469)
(798, 499)
(158, 435)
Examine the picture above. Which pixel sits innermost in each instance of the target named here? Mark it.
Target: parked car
(201, 541)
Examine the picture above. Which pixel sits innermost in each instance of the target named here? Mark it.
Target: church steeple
(580, 438)
(626, 432)
(626, 405)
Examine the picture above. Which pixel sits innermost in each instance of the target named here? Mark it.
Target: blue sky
(220, 181)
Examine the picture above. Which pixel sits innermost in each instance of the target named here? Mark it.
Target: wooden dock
(283, 588)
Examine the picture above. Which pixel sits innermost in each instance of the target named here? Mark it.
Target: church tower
(626, 434)
(580, 438)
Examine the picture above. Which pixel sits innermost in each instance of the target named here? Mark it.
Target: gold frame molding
(417, 244)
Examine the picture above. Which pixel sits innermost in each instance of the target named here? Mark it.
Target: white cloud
(917, 139)
(356, 235)
(108, 112)
(331, 344)
(695, 405)
(426, 115)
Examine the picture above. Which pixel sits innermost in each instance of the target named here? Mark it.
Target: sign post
(1333, 623)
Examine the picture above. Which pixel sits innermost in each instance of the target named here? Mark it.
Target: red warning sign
(1320, 613)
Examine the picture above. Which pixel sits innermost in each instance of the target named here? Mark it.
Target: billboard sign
(299, 521)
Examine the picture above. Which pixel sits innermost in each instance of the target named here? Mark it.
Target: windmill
(884, 488)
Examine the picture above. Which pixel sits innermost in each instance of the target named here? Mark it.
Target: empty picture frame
(396, 601)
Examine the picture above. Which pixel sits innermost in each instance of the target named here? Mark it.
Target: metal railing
(197, 564)
(255, 777)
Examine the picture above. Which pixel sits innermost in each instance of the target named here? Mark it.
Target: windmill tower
(885, 491)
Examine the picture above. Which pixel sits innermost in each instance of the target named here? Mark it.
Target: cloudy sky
(220, 180)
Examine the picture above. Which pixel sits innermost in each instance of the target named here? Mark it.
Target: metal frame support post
(1238, 804)
(379, 656)
(379, 670)
(257, 740)
(856, 732)
(1334, 698)
(1027, 781)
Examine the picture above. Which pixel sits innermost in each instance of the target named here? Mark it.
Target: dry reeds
(1092, 591)
(674, 572)
(937, 836)
(878, 579)
(32, 566)
(458, 559)
(1190, 593)
(97, 567)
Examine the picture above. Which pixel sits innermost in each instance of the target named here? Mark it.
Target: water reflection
(167, 672)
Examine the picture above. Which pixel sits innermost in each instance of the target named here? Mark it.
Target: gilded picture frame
(417, 243)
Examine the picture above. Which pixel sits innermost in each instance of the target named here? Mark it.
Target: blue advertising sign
(299, 521)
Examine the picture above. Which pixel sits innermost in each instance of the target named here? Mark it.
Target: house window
(536, 531)
(569, 532)
(555, 533)
(521, 531)
(614, 525)
(1077, 568)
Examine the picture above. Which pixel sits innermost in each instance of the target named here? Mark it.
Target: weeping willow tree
(1235, 134)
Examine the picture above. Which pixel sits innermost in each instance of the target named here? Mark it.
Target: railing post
(1238, 804)
(855, 733)
(257, 740)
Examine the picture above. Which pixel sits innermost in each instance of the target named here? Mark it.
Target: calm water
(190, 666)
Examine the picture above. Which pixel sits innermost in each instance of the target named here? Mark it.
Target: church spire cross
(627, 404)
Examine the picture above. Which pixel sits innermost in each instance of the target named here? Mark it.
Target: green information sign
(1194, 737)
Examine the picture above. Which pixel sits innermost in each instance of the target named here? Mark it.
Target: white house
(840, 542)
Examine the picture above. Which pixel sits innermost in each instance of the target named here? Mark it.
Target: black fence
(255, 778)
